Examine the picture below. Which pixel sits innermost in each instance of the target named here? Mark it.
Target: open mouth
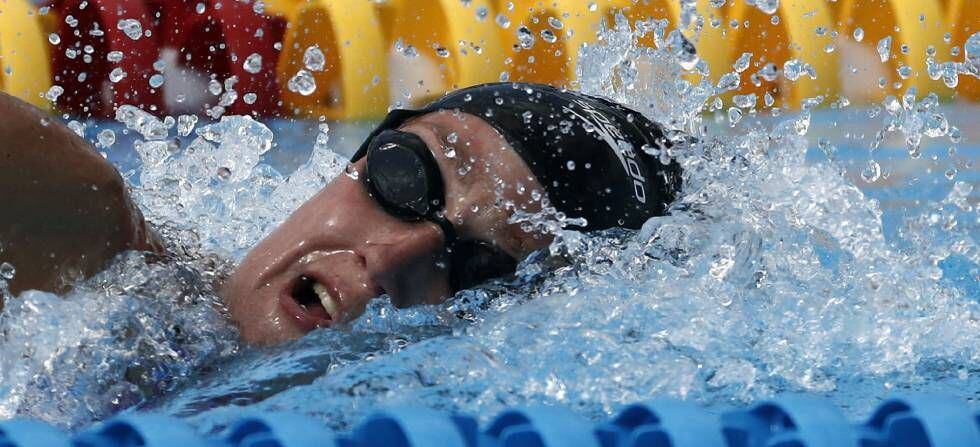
(314, 298)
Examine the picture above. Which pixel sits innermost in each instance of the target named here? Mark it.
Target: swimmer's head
(424, 210)
(346, 246)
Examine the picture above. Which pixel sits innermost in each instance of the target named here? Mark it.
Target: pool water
(789, 264)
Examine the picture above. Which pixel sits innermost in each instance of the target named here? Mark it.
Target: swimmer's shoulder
(66, 210)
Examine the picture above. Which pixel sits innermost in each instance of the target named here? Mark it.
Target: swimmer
(423, 211)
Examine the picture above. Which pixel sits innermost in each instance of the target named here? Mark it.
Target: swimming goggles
(403, 177)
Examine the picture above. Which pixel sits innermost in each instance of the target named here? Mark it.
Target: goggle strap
(448, 232)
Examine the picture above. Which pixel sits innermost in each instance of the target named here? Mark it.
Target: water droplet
(904, 71)
(116, 75)
(769, 72)
(131, 27)
(972, 50)
(555, 23)
(548, 36)
(156, 80)
(253, 63)
(570, 165)
(871, 172)
(452, 138)
(405, 50)
(224, 173)
(77, 127)
(593, 6)
(54, 92)
(885, 48)
(716, 104)
(743, 62)
(482, 13)
(214, 87)
(793, 69)
(915, 151)
(767, 6)
(809, 103)
(683, 50)
(199, 8)
(729, 81)
(54, 38)
(745, 101)
(858, 34)
(503, 21)
(525, 38)
(829, 48)
(442, 52)
(7, 271)
(106, 138)
(185, 124)
(250, 98)
(114, 56)
(955, 135)
(734, 115)
(302, 83)
(141, 121)
(950, 173)
(314, 59)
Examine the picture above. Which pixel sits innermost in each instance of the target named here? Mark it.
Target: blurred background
(352, 59)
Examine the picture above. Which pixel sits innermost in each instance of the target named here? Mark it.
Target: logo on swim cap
(620, 146)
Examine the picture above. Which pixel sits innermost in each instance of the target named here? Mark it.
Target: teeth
(328, 302)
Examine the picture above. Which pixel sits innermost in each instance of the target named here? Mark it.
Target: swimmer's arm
(64, 210)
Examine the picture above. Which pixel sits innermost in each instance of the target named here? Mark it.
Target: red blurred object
(219, 39)
(89, 32)
(215, 41)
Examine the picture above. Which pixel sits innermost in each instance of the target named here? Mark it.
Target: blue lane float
(788, 421)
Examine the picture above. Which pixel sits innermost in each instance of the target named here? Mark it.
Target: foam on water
(772, 273)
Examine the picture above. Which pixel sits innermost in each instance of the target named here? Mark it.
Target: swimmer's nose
(411, 268)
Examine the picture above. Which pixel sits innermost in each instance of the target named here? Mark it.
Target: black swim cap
(587, 152)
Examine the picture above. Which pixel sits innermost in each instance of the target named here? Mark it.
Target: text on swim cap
(611, 134)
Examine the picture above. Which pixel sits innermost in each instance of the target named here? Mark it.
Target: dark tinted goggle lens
(404, 178)
(403, 175)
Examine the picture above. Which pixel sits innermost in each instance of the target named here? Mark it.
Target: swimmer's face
(340, 249)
